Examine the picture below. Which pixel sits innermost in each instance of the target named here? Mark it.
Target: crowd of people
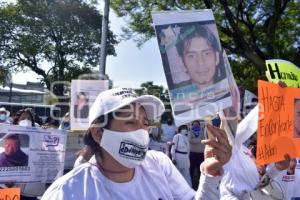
(116, 162)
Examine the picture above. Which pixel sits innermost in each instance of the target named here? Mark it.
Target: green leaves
(252, 30)
(65, 33)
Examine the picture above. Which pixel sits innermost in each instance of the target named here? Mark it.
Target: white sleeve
(54, 194)
(179, 188)
(174, 147)
(80, 160)
(226, 194)
(272, 171)
(209, 187)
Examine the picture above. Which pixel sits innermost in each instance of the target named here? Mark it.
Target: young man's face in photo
(297, 118)
(200, 60)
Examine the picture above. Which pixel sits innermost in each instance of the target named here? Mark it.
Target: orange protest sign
(278, 125)
(10, 194)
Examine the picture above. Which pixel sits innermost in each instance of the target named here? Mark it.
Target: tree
(148, 88)
(3, 75)
(65, 34)
(250, 31)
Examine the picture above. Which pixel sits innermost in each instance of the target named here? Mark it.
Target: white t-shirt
(156, 178)
(168, 132)
(290, 183)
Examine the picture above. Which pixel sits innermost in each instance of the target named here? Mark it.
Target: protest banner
(193, 63)
(282, 70)
(31, 154)
(73, 146)
(83, 94)
(278, 124)
(10, 194)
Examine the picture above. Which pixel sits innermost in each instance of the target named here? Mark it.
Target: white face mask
(184, 132)
(2, 117)
(25, 122)
(128, 148)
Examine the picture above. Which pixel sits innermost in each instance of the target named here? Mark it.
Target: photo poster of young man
(193, 63)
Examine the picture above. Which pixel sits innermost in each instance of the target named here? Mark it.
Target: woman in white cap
(123, 168)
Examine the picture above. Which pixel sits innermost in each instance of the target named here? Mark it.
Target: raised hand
(217, 151)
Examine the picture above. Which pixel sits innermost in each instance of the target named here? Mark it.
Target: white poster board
(83, 94)
(193, 63)
(31, 154)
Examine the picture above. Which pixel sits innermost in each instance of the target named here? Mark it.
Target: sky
(132, 65)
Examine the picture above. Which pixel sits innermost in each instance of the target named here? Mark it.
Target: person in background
(180, 153)
(122, 166)
(65, 123)
(168, 130)
(289, 180)
(24, 117)
(51, 123)
(4, 116)
(196, 151)
(29, 191)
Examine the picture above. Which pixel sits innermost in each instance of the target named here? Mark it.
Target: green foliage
(246, 74)
(158, 91)
(3, 75)
(251, 31)
(66, 34)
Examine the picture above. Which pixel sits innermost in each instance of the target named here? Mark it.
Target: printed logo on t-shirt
(288, 178)
(133, 151)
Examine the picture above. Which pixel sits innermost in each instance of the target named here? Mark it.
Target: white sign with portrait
(193, 63)
(83, 94)
(31, 154)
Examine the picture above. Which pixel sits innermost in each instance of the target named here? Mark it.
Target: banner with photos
(31, 154)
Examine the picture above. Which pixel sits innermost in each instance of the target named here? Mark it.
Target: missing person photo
(193, 63)
(11, 153)
(81, 106)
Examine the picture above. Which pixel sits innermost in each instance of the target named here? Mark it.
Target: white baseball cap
(2, 109)
(111, 100)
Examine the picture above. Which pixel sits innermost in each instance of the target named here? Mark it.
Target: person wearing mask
(24, 117)
(65, 123)
(196, 151)
(180, 153)
(122, 166)
(29, 191)
(4, 116)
